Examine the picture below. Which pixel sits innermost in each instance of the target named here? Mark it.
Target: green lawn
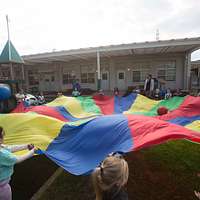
(164, 172)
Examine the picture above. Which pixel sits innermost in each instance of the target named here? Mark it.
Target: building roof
(10, 54)
(196, 62)
(153, 47)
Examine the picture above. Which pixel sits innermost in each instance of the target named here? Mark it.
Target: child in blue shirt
(7, 162)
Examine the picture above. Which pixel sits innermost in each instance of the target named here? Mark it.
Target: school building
(122, 66)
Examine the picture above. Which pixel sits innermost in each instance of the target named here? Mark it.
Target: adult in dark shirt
(149, 86)
(110, 178)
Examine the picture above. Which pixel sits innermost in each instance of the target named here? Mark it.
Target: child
(157, 94)
(59, 94)
(116, 91)
(101, 93)
(7, 162)
(110, 178)
(168, 94)
(41, 99)
(75, 93)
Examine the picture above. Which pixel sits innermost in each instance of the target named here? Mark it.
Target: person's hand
(30, 146)
(197, 194)
(32, 151)
(36, 150)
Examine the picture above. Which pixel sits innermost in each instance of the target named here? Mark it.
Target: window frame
(67, 78)
(169, 69)
(144, 71)
(88, 74)
(136, 80)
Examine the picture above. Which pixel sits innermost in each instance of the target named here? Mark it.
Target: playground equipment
(5, 91)
(7, 98)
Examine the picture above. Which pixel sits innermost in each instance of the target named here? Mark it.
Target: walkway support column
(11, 71)
(187, 71)
(9, 52)
(98, 71)
(23, 77)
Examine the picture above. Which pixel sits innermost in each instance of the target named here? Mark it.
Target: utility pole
(157, 35)
(9, 52)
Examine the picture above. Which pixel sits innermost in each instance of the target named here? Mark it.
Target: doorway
(121, 81)
(105, 80)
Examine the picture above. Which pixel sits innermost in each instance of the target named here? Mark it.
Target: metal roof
(196, 62)
(10, 54)
(153, 47)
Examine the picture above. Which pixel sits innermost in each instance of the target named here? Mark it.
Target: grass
(70, 187)
(164, 172)
(30, 175)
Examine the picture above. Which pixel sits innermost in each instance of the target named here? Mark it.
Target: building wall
(58, 76)
(148, 65)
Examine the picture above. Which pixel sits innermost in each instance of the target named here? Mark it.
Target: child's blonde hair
(112, 172)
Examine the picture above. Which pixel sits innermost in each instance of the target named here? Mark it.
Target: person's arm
(197, 194)
(15, 148)
(145, 84)
(9, 159)
(25, 156)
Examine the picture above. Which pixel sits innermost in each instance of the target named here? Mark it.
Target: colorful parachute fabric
(78, 133)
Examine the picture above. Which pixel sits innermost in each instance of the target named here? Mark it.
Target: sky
(38, 26)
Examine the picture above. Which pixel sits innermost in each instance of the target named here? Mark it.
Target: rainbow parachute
(78, 133)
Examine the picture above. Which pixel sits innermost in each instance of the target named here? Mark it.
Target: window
(121, 76)
(140, 74)
(91, 78)
(144, 73)
(136, 76)
(104, 76)
(5, 73)
(33, 77)
(84, 77)
(87, 77)
(88, 73)
(171, 74)
(167, 71)
(161, 74)
(68, 78)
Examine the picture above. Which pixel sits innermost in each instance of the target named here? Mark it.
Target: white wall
(148, 64)
(112, 65)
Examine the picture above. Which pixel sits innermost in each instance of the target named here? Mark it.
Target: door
(105, 80)
(121, 81)
(48, 82)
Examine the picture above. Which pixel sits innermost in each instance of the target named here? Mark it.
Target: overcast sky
(38, 26)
